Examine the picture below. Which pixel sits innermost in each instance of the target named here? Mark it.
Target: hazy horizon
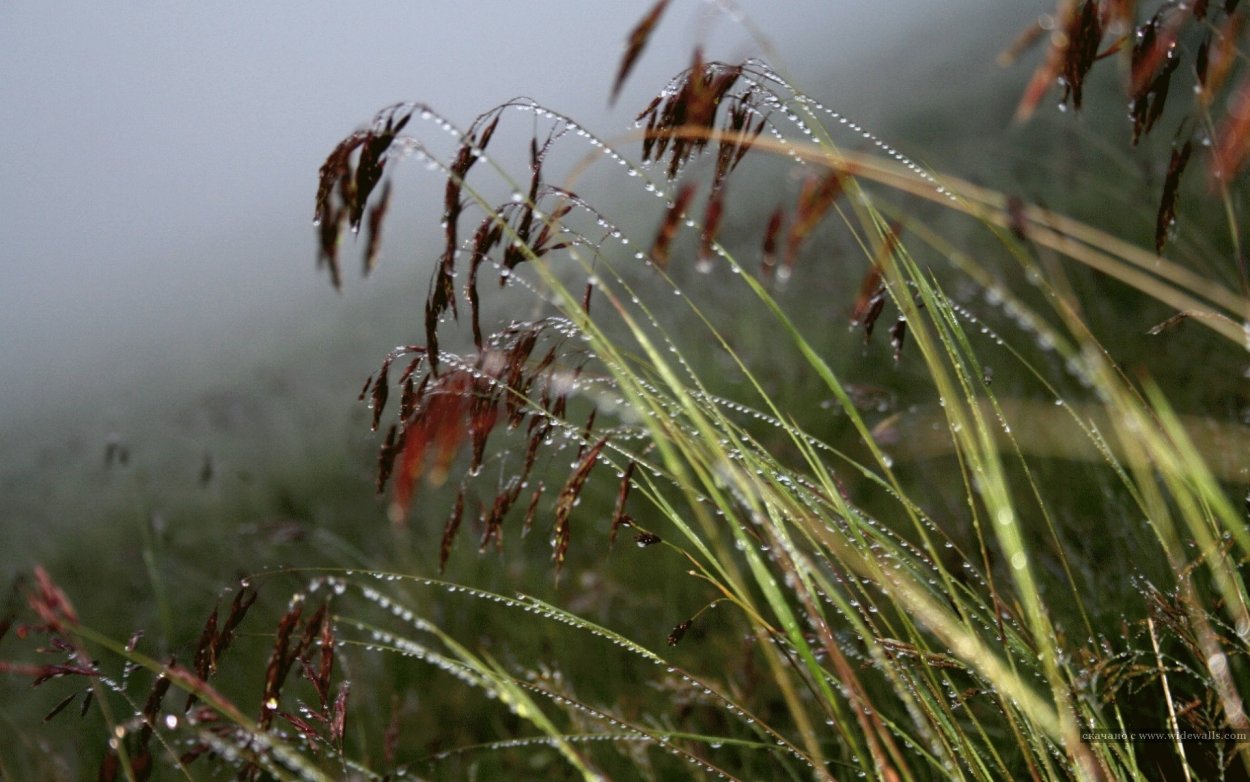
(161, 162)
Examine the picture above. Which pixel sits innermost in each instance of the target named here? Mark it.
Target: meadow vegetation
(872, 471)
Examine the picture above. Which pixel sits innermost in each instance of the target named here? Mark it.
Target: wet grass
(870, 472)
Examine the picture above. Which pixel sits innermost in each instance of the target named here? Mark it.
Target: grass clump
(851, 559)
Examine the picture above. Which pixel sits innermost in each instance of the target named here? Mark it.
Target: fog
(159, 160)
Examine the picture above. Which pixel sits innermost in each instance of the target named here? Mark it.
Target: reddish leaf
(679, 632)
(44, 673)
(377, 213)
(303, 726)
(280, 660)
(381, 387)
(390, 738)
(337, 164)
(57, 709)
(492, 529)
(645, 539)
(1167, 205)
(869, 302)
(371, 164)
(637, 42)
(1084, 34)
(413, 365)
(748, 141)
(734, 136)
(407, 399)
(1201, 60)
(204, 662)
(326, 669)
(1050, 68)
(711, 227)
(440, 426)
(484, 136)
(708, 86)
(151, 709)
(489, 232)
(328, 255)
(483, 414)
(668, 228)
(1155, 44)
(898, 332)
(586, 430)
(540, 427)
(568, 497)
(815, 200)
(1221, 58)
(431, 330)
(450, 528)
(531, 511)
(1027, 39)
(1154, 61)
(338, 722)
(1017, 222)
(515, 251)
(386, 456)
(50, 603)
(1169, 324)
(109, 767)
(216, 642)
(1232, 145)
(768, 260)
(622, 496)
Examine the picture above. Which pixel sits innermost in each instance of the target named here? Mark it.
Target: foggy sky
(158, 161)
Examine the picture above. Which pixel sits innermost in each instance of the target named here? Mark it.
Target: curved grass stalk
(263, 747)
(488, 675)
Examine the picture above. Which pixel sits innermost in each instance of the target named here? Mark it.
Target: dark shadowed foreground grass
(995, 529)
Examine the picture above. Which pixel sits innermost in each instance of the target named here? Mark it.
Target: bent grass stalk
(959, 640)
